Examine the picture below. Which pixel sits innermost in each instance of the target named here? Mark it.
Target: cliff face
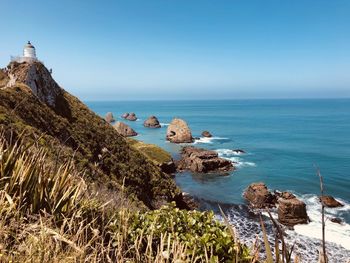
(37, 106)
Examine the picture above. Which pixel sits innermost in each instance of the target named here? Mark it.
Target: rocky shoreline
(289, 209)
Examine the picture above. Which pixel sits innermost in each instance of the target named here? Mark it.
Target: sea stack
(124, 129)
(109, 117)
(179, 132)
(152, 122)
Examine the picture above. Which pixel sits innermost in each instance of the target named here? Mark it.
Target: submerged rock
(202, 161)
(336, 220)
(238, 151)
(206, 134)
(109, 117)
(292, 211)
(152, 122)
(131, 117)
(259, 196)
(330, 201)
(124, 129)
(179, 132)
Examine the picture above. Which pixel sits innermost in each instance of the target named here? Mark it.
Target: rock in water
(179, 132)
(202, 161)
(206, 134)
(124, 129)
(292, 211)
(329, 201)
(336, 220)
(152, 122)
(125, 115)
(131, 117)
(109, 117)
(259, 196)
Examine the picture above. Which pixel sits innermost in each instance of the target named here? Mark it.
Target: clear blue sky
(185, 49)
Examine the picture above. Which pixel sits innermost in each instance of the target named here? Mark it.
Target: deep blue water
(284, 141)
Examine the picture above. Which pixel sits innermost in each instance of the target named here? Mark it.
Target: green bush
(204, 236)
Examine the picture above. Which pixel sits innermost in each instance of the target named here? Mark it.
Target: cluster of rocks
(194, 159)
(202, 161)
(290, 209)
(129, 116)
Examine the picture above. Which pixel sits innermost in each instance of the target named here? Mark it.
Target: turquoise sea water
(284, 140)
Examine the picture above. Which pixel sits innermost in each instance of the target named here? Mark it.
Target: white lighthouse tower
(29, 51)
(29, 54)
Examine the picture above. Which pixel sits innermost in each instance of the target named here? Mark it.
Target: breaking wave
(233, 156)
(209, 139)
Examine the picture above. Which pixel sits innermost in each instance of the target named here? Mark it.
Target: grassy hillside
(70, 130)
(46, 215)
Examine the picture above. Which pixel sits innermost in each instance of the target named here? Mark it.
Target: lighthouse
(29, 51)
(29, 54)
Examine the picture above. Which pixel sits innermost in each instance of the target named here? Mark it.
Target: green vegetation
(59, 221)
(75, 133)
(151, 151)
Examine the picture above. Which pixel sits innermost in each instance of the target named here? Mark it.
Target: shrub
(204, 237)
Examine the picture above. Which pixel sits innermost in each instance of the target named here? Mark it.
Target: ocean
(284, 140)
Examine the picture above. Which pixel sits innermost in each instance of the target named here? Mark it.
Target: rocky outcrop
(37, 77)
(83, 137)
(336, 220)
(330, 201)
(109, 117)
(202, 161)
(152, 122)
(124, 129)
(179, 132)
(291, 211)
(259, 196)
(206, 134)
(168, 167)
(129, 116)
(188, 202)
(124, 115)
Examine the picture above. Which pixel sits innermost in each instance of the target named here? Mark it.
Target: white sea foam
(164, 124)
(336, 233)
(306, 244)
(208, 139)
(233, 157)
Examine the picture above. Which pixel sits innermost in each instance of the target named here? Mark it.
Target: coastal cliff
(72, 187)
(37, 106)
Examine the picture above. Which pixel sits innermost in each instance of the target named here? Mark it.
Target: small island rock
(206, 134)
(259, 196)
(109, 117)
(131, 117)
(152, 122)
(336, 220)
(202, 161)
(329, 201)
(292, 211)
(124, 129)
(179, 132)
(125, 115)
